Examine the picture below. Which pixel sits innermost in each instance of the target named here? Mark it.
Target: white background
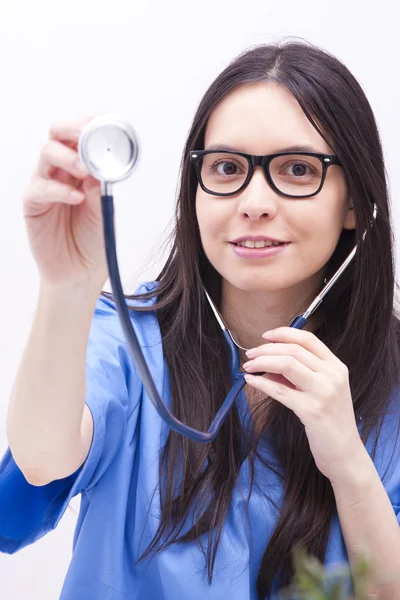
(148, 62)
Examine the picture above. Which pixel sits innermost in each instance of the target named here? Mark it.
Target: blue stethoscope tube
(198, 436)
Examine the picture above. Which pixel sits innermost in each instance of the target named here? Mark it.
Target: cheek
(212, 220)
(201, 214)
(319, 231)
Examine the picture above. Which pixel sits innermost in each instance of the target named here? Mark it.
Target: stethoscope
(109, 148)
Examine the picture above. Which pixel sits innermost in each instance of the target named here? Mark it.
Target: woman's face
(263, 118)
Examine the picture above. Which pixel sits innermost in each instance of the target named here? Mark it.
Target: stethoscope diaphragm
(109, 148)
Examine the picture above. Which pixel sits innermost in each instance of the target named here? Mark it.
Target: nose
(258, 198)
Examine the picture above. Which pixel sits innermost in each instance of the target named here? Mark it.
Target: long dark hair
(360, 325)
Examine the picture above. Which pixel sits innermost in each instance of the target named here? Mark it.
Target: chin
(253, 284)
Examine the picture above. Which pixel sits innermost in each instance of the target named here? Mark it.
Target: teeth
(260, 244)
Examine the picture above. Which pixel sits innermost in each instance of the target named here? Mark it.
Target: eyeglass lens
(294, 174)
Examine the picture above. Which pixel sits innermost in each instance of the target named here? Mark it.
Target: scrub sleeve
(113, 392)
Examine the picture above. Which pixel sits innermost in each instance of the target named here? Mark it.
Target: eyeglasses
(296, 175)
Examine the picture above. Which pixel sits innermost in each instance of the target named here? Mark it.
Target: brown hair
(360, 327)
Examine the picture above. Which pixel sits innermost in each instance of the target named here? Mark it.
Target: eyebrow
(298, 148)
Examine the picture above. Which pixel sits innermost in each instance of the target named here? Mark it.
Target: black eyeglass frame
(262, 161)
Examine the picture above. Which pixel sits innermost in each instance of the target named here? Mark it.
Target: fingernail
(75, 195)
(249, 377)
(250, 353)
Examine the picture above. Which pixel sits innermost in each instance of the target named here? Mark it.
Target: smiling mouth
(272, 245)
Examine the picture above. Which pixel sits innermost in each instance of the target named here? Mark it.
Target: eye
(228, 167)
(299, 169)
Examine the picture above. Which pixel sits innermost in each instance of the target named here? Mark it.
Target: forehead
(261, 118)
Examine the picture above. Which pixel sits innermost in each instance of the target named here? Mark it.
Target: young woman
(308, 455)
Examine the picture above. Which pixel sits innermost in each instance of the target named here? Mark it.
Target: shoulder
(112, 379)
(109, 345)
(106, 317)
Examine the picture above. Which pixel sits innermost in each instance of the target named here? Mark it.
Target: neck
(248, 314)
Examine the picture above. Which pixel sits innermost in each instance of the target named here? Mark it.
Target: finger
(57, 155)
(304, 356)
(47, 191)
(288, 366)
(290, 398)
(69, 131)
(304, 338)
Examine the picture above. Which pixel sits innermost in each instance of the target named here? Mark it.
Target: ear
(350, 217)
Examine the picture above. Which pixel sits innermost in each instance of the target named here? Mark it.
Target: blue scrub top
(120, 474)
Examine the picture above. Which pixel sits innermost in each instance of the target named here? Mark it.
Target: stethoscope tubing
(108, 173)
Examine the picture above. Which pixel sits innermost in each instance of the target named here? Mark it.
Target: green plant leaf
(361, 573)
(312, 581)
(336, 592)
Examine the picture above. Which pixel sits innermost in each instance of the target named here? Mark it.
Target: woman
(305, 448)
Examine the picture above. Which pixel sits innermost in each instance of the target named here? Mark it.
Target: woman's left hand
(310, 380)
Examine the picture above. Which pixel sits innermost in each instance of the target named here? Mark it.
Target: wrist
(69, 301)
(81, 290)
(356, 472)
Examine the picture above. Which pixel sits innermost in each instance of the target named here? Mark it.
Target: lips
(264, 252)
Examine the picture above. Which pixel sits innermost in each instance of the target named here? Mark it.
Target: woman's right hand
(65, 233)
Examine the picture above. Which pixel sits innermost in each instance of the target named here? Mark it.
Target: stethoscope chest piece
(109, 148)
